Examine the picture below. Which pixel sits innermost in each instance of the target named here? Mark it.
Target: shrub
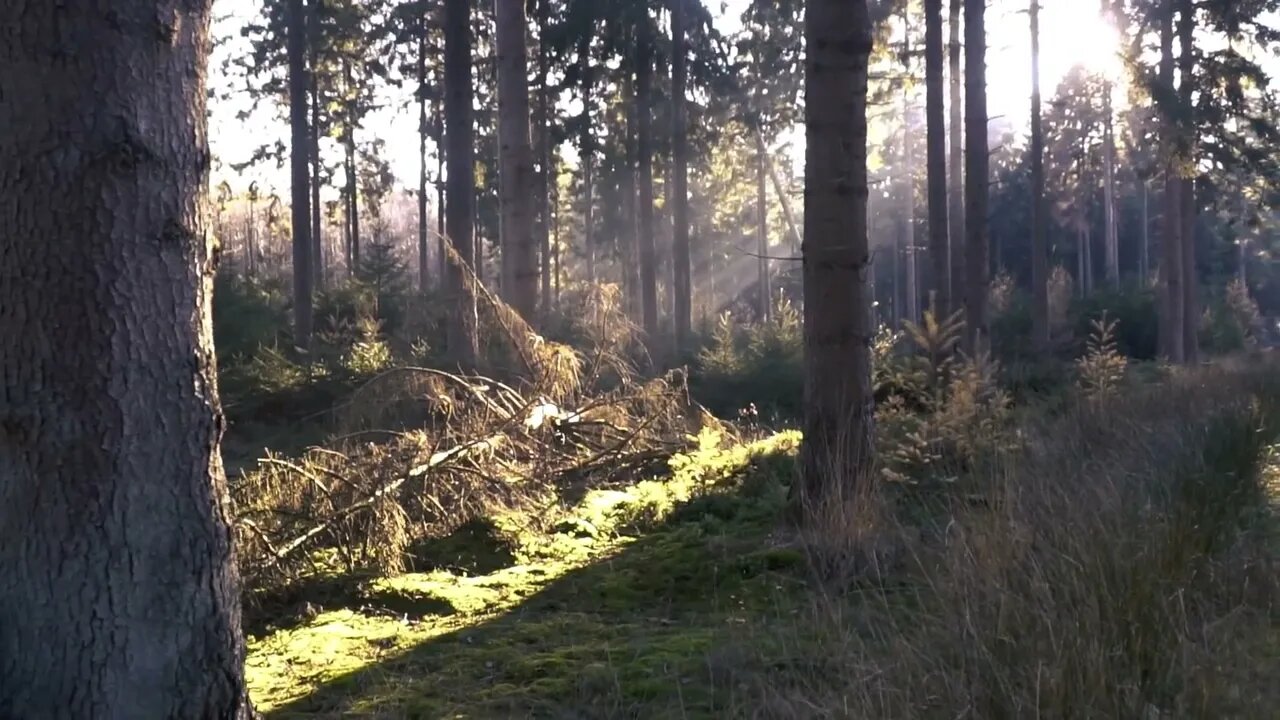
(1134, 310)
(1231, 321)
(248, 314)
(762, 363)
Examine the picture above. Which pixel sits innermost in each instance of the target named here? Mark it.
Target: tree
(519, 246)
(977, 184)
(1187, 197)
(936, 140)
(955, 191)
(121, 596)
(681, 282)
(1171, 272)
(463, 343)
(644, 152)
(838, 399)
(1039, 240)
(300, 164)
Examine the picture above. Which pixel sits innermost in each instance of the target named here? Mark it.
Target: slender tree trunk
(1144, 260)
(424, 259)
(300, 165)
(783, 201)
(682, 286)
(463, 344)
(976, 175)
(353, 187)
(644, 151)
(1171, 273)
(838, 399)
(516, 179)
(631, 267)
(1088, 260)
(1039, 242)
(1191, 279)
(936, 140)
(119, 589)
(1082, 253)
(762, 231)
(912, 306)
(955, 192)
(317, 224)
(544, 159)
(1109, 188)
(442, 256)
(586, 149)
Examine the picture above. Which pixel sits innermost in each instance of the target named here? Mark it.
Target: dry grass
(1115, 566)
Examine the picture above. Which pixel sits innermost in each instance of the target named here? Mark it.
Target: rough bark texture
(644, 152)
(1039, 242)
(936, 140)
(463, 344)
(976, 186)
(300, 165)
(682, 282)
(1187, 198)
(955, 191)
(838, 399)
(119, 594)
(1171, 273)
(516, 181)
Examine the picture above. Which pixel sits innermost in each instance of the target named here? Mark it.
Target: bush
(248, 314)
(1135, 312)
(1231, 321)
(761, 363)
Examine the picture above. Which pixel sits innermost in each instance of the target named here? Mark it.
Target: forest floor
(682, 596)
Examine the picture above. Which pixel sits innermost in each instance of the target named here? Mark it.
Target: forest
(900, 359)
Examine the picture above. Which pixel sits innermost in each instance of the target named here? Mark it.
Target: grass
(1121, 562)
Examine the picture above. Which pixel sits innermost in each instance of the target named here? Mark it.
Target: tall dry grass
(1117, 564)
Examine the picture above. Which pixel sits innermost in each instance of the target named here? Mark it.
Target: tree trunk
(463, 344)
(1171, 273)
(644, 151)
(424, 260)
(1081, 253)
(955, 193)
(1039, 243)
(936, 140)
(1191, 280)
(544, 159)
(630, 250)
(1109, 188)
(586, 149)
(516, 178)
(353, 187)
(976, 177)
(300, 165)
(120, 596)
(909, 171)
(762, 231)
(682, 286)
(1144, 260)
(317, 224)
(442, 256)
(838, 400)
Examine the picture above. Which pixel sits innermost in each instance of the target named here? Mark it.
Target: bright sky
(1072, 32)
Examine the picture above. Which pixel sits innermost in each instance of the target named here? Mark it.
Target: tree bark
(353, 187)
(912, 307)
(682, 282)
(630, 249)
(976, 176)
(424, 260)
(463, 343)
(644, 151)
(762, 232)
(586, 149)
(936, 140)
(838, 400)
(1109, 188)
(119, 592)
(300, 164)
(1171, 273)
(955, 193)
(1039, 243)
(516, 178)
(544, 177)
(1191, 280)
(1144, 260)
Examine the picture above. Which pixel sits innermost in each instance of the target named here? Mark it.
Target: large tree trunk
(119, 596)
(762, 231)
(586, 150)
(976, 176)
(936, 140)
(839, 405)
(516, 179)
(317, 226)
(682, 282)
(424, 260)
(1171, 273)
(955, 192)
(463, 344)
(1039, 243)
(1191, 280)
(300, 165)
(644, 150)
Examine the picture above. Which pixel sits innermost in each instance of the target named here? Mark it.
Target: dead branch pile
(422, 451)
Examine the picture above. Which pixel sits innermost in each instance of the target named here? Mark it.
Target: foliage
(1231, 321)
(760, 363)
(1134, 310)
(1102, 368)
(248, 314)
